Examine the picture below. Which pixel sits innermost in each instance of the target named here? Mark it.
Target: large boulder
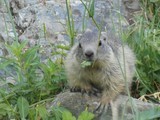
(126, 106)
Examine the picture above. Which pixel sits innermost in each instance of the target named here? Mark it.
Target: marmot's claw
(90, 92)
(75, 89)
(94, 92)
(100, 109)
(83, 91)
(78, 89)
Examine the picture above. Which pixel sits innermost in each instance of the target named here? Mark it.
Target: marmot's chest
(94, 75)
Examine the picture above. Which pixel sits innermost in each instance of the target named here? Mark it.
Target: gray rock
(6, 29)
(41, 21)
(16, 5)
(76, 103)
(131, 7)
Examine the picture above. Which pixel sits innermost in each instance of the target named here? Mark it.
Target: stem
(42, 101)
(70, 26)
(89, 13)
(11, 18)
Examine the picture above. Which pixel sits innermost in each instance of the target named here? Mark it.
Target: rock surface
(44, 22)
(76, 103)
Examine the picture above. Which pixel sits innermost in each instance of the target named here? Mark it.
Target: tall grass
(70, 23)
(145, 40)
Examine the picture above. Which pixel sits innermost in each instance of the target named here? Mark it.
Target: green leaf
(42, 112)
(154, 1)
(16, 48)
(66, 115)
(85, 115)
(150, 114)
(63, 47)
(7, 62)
(91, 9)
(57, 112)
(30, 57)
(4, 109)
(32, 114)
(23, 107)
(85, 64)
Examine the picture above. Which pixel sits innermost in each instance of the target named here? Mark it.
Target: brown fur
(112, 66)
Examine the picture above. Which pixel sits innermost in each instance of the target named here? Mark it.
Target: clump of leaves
(85, 115)
(27, 82)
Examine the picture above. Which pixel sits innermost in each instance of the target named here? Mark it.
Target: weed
(32, 80)
(145, 41)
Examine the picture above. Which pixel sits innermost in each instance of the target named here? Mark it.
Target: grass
(145, 40)
(70, 23)
(31, 83)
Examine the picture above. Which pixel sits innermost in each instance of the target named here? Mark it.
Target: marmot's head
(94, 47)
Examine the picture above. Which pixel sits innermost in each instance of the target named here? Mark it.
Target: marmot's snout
(89, 54)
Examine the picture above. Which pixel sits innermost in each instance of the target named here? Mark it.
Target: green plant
(31, 82)
(145, 40)
(151, 10)
(70, 23)
(90, 11)
(85, 115)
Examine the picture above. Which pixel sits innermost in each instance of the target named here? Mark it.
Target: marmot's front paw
(75, 89)
(89, 91)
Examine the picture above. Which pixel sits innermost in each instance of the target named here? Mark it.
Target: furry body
(112, 66)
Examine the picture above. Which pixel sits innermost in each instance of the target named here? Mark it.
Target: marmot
(112, 65)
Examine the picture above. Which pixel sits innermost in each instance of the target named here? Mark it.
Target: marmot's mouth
(90, 59)
(86, 63)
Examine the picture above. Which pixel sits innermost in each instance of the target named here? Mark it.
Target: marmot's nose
(89, 54)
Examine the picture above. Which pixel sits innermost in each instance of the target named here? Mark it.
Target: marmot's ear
(79, 36)
(104, 36)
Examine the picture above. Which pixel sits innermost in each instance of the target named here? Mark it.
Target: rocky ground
(127, 108)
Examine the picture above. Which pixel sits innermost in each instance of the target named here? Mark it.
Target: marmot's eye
(104, 38)
(100, 43)
(80, 45)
